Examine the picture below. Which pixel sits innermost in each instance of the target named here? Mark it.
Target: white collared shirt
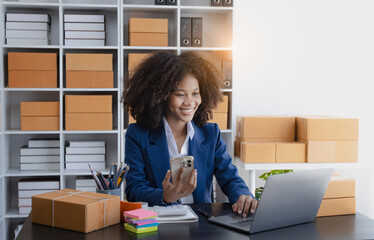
(173, 149)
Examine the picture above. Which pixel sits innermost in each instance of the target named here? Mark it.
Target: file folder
(185, 32)
(171, 2)
(197, 32)
(227, 3)
(160, 2)
(216, 2)
(227, 73)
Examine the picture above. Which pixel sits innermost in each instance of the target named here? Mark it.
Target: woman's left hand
(245, 204)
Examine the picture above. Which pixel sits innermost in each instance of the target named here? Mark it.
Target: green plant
(265, 176)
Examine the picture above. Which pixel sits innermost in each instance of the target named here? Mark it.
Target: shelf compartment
(111, 22)
(51, 10)
(168, 13)
(11, 157)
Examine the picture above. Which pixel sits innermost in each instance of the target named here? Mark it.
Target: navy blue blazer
(147, 154)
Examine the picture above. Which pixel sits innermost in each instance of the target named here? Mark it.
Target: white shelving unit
(217, 39)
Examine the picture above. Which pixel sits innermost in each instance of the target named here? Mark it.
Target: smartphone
(186, 162)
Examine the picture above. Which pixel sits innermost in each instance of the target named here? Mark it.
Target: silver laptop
(287, 199)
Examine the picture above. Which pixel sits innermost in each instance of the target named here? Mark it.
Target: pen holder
(116, 192)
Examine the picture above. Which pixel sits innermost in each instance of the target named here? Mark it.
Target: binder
(227, 3)
(227, 73)
(216, 2)
(197, 32)
(160, 2)
(185, 32)
(171, 2)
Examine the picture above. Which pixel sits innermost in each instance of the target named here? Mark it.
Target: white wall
(309, 57)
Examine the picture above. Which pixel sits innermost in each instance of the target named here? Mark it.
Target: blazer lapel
(197, 149)
(158, 154)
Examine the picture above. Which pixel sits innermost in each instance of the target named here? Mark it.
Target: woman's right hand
(173, 192)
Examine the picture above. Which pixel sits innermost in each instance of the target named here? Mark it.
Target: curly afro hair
(159, 76)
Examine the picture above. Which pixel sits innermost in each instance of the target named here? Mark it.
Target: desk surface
(341, 227)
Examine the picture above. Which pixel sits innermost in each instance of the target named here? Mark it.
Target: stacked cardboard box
(268, 139)
(85, 184)
(88, 112)
(76, 210)
(84, 30)
(329, 139)
(220, 114)
(79, 154)
(27, 29)
(40, 155)
(40, 116)
(148, 32)
(339, 198)
(32, 70)
(134, 60)
(89, 70)
(28, 188)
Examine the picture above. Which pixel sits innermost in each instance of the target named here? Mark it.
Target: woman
(171, 97)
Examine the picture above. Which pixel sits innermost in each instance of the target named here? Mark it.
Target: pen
(101, 178)
(95, 178)
(125, 171)
(205, 214)
(115, 173)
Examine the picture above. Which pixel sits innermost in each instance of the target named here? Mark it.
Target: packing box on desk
(135, 59)
(337, 206)
(340, 187)
(88, 121)
(32, 61)
(220, 119)
(89, 79)
(332, 151)
(223, 107)
(89, 62)
(291, 152)
(88, 103)
(40, 109)
(326, 129)
(257, 152)
(32, 79)
(148, 39)
(267, 127)
(76, 210)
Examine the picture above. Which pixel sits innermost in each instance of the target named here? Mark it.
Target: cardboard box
(223, 107)
(332, 151)
(267, 127)
(337, 206)
(135, 59)
(257, 152)
(40, 109)
(220, 119)
(89, 62)
(326, 129)
(40, 123)
(88, 103)
(89, 79)
(237, 149)
(340, 187)
(292, 152)
(88, 121)
(148, 25)
(76, 210)
(148, 39)
(131, 119)
(32, 79)
(32, 61)
(263, 140)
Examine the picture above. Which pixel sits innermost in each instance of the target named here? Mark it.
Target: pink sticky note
(139, 213)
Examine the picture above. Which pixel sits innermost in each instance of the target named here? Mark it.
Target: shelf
(83, 172)
(30, 4)
(29, 132)
(206, 48)
(150, 48)
(206, 9)
(91, 89)
(13, 213)
(296, 166)
(226, 90)
(90, 132)
(149, 8)
(90, 47)
(18, 173)
(31, 89)
(89, 6)
(226, 131)
(32, 46)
